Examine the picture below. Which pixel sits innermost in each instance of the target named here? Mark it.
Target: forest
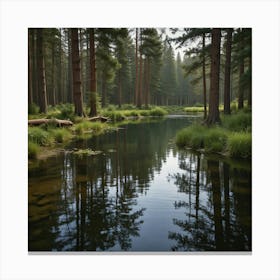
(139, 66)
(139, 139)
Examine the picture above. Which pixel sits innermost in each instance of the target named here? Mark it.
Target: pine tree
(42, 91)
(214, 116)
(78, 98)
(227, 72)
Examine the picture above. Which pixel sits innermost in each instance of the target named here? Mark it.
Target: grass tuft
(33, 150)
(239, 144)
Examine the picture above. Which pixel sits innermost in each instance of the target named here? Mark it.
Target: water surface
(140, 194)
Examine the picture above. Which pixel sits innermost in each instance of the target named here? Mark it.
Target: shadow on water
(139, 194)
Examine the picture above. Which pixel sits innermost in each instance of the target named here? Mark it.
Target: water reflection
(139, 194)
(217, 212)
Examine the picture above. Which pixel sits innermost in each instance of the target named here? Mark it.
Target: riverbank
(48, 136)
(232, 138)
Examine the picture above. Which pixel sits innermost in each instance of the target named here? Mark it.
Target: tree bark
(227, 73)
(30, 88)
(139, 103)
(214, 115)
(76, 70)
(241, 73)
(42, 92)
(93, 107)
(241, 89)
(136, 67)
(70, 74)
(204, 77)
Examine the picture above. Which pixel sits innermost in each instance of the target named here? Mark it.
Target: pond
(139, 194)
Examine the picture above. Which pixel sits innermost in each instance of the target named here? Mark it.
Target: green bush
(194, 109)
(33, 150)
(157, 111)
(39, 136)
(61, 135)
(114, 115)
(240, 144)
(33, 109)
(192, 136)
(67, 111)
(90, 127)
(215, 139)
(237, 122)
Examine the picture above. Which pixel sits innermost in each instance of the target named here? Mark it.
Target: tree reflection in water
(218, 209)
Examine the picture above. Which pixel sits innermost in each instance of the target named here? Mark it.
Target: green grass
(232, 138)
(239, 144)
(95, 128)
(194, 109)
(33, 150)
(40, 136)
(240, 121)
(61, 135)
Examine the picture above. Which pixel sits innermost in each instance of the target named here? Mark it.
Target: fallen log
(56, 122)
(98, 118)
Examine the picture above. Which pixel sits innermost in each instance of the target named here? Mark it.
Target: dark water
(140, 194)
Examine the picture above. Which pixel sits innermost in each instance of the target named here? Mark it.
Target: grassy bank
(233, 138)
(49, 136)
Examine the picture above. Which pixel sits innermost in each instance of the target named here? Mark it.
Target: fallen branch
(98, 118)
(56, 122)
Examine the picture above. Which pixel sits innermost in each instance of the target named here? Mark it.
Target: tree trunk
(241, 73)
(77, 93)
(70, 74)
(81, 61)
(42, 92)
(241, 89)
(136, 68)
(93, 107)
(60, 79)
(250, 84)
(119, 89)
(103, 99)
(214, 115)
(53, 77)
(139, 103)
(30, 90)
(204, 77)
(227, 73)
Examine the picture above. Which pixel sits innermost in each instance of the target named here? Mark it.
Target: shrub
(194, 109)
(33, 150)
(237, 122)
(157, 111)
(240, 144)
(67, 111)
(215, 140)
(39, 136)
(92, 127)
(192, 136)
(114, 115)
(61, 135)
(33, 109)
(128, 107)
